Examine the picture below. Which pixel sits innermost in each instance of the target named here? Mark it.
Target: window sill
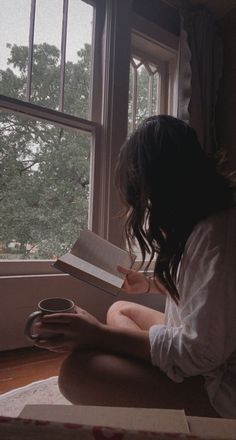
(27, 267)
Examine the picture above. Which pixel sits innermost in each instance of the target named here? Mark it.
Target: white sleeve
(205, 335)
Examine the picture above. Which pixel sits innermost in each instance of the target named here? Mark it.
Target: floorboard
(22, 366)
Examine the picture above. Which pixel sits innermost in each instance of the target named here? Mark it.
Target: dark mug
(47, 306)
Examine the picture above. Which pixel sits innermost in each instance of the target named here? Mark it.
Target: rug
(42, 391)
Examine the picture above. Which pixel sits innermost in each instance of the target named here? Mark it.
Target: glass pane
(156, 95)
(131, 99)
(142, 94)
(44, 187)
(46, 53)
(78, 58)
(14, 31)
(144, 98)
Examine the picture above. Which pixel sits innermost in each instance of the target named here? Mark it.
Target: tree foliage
(44, 168)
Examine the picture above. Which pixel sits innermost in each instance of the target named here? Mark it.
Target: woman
(180, 210)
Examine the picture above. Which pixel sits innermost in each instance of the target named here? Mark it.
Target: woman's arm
(81, 331)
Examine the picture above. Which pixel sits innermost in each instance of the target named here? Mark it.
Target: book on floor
(94, 261)
(130, 419)
(100, 422)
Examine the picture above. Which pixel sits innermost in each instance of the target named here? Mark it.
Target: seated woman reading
(179, 207)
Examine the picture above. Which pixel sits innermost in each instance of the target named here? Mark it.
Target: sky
(15, 19)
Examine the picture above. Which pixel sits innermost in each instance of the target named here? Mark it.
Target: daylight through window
(47, 134)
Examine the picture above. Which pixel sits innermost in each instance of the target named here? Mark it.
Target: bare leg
(92, 378)
(125, 314)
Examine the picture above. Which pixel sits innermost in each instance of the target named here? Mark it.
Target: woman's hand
(71, 331)
(137, 282)
(81, 331)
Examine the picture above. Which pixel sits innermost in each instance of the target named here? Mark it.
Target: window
(51, 153)
(45, 183)
(58, 142)
(152, 78)
(153, 72)
(46, 53)
(60, 79)
(46, 156)
(145, 90)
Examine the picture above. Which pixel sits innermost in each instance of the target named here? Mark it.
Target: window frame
(109, 73)
(161, 47)
(162, 68)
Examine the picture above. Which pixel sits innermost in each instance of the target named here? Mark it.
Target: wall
(227, 97)
(20, 296)
(160, 13)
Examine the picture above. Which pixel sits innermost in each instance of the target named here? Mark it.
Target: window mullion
(63, 54)
(31, 48)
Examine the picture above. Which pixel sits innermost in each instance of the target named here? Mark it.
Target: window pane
(78, 58)
(156, 94)
(132, 100)
(144, 91)
(142, 94)
(14, 30)
(46, 53)
(44, 182)
(48, 65)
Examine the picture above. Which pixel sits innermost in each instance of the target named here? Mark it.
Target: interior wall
(20, 296)
(227, 96)
(160, 13)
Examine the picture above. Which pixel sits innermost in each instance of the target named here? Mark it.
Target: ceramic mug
(47, 306)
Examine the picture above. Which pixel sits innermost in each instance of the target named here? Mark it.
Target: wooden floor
(26, 365)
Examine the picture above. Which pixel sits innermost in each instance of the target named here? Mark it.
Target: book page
(99, 252)
(89, 269)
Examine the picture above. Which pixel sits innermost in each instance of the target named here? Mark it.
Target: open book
(93, 260)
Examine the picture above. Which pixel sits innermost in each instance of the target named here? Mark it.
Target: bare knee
(94, 378)
(76, 377)
(86, 376)
(116, 311)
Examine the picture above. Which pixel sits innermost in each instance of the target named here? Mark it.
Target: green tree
(44, 169)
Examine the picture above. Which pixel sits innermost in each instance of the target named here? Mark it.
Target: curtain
(200, 71)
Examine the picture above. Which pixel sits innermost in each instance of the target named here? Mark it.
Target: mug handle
(29, 323)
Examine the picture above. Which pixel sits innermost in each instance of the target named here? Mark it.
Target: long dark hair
(167, 185)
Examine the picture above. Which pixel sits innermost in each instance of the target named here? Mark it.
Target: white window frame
(160, 47)
(108, 125)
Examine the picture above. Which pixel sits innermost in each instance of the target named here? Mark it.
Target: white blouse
(199, 335)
